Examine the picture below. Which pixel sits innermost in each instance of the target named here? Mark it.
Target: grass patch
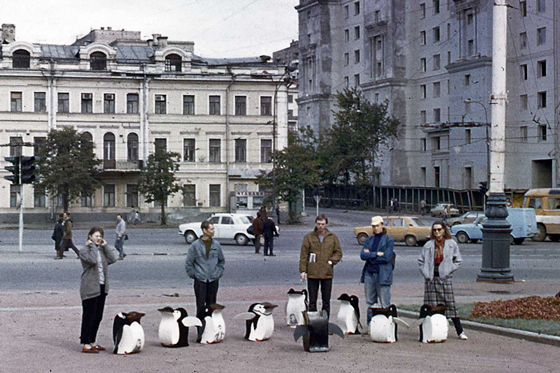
(550, 327)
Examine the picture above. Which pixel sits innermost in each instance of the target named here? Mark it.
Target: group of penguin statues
(313, 327)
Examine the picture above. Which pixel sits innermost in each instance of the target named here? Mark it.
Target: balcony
(122, 166)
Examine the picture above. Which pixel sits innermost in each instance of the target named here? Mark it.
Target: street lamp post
(486, 125)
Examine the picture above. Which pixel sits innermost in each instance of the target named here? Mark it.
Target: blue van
(523, 223)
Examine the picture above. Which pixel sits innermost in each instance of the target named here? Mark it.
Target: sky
(218, 28)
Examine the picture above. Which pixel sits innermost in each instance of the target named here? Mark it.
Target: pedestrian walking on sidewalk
(439, 258)
(66, 242)
(320, 252)
(95, 257)
(58, 233)
(269, 232)
(120, 230)
(377, 274)
(258, 225)
(205, 264)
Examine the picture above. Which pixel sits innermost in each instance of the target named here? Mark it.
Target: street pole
(486, 125)
(21, 218)
(373, 171)
(496, 230)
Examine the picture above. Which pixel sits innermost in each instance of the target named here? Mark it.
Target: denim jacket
(199, 267)
(384, 261)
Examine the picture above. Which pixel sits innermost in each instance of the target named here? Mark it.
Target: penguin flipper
(400, 322)
(300, 332)
(190, 321)
(245, 316)
(335, 329)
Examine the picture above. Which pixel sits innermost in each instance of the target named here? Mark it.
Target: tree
(68, 166)
(157, 181)
(350, 146)
(297, 167)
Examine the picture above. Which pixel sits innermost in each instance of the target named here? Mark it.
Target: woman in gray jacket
(95, 257)
(439, 258)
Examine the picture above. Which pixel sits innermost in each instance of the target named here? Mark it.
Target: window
(436, 177)
(437, 116)
(346, 59)
(109, 150)
(38, 143)
(436, 143)
(290, 99)
(14, 191)
(109, 103)
(541, 6)
(436, 62)
(188, 105)
(16, 144)
(189, 195)
(423, 65)
(346, 35)
(470, 47)
(356, 80)
(38, 197)
(356, 8)
(469, 19)
(160, 146)
(436, 34)
(423, 91)
(448, 57)
(523, 136)
(87, 103)
(523, 70)
(468, 79)
(16, 101)
(541, 99)
(214, 105)
(21, 59)
(524, 100)
(109, 195)
(88, 137)
(542, 132)
(423, 146)
(132, 103)
(98, 61)
(448, 31)
(436, 89)
(436, 6)
(161, 104)
(64, 102)
(541, 68)
(266, 105)
(266, 151)
(240, 105)
(357, 56)
(356, 32)
(422, 10)
(523, 8)
(215, 151)
(423, 117)
(189, 150)
(541, 36)
(467, 136)
(240, 150)
(422, 37)
(173, 63)
(523, 40)
(40, 102)
(131, 195)
(346, 82)
(132, 147)
(214, 195)
(346, 11)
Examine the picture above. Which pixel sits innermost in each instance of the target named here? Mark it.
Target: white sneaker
(463, 337)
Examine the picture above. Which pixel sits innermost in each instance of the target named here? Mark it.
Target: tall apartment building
(432, 61)
(134, 96)
(289, 58)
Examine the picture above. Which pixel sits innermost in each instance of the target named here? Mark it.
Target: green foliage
(157, 181)
(68, 166)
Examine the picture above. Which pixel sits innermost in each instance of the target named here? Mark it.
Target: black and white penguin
(383, 325)
(297, 304)
(174, 327)
(213, 325)
(315, 331)
(259, 321)
(349, 314)
(128, 334)
(433, 324)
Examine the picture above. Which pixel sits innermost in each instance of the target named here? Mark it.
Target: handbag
(261, 240)
(251, 230)
(126, 237)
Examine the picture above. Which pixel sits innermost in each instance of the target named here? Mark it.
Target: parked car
(546, 203)
(402, 228)
(227, 226)
(523, 224)
(466, 218)
(438, 210)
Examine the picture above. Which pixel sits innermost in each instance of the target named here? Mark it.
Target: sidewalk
(40, 332)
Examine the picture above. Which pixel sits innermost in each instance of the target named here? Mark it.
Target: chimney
(109, 28)
(162, 41)
(150, 42)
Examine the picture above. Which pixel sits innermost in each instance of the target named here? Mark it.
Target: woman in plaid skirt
(440, 257)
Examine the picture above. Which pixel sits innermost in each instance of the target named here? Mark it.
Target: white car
(227, 226)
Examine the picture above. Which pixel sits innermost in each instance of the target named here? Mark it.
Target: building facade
(432, 61)
(134, 96)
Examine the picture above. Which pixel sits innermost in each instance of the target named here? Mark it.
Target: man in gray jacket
(205, 264)
(121, 233)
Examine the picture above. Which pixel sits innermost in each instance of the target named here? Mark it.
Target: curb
(507, 332)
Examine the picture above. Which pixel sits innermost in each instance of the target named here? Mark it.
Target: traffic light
(28, 169)
(483, 187)
(14, 170)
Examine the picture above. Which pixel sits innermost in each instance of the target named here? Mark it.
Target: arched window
(98, 61)
(109, 150)
(173, 62)
(132, 145)
(21, 59)
(88, 137)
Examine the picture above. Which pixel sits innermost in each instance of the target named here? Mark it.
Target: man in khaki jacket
(320, 252)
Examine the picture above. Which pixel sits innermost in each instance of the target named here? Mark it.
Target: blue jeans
(119, 246)
(375, 290)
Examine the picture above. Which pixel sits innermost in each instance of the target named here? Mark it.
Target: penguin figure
(384, 323)
(174, 327)
(433, 324)
(315, 331)
(213, 325)
(128, 334)
(259, 321)
(349, 314)
(297, 304)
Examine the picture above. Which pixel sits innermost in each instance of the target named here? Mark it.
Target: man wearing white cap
(377, 274)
